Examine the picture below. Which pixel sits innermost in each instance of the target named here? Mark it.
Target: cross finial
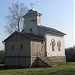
(32, 6)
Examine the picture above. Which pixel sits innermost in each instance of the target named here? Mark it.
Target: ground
(61, 69)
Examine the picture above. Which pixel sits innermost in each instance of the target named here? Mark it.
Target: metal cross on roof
(32, 6)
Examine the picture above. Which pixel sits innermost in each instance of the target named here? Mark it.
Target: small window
(53, 44)
(59, 45)
(21, 47)
(30, 29)
(12, 47)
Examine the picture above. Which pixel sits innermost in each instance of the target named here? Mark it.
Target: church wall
(34, 48)
(20, 40)
(49, 37)
(37, 50)
(17, 61)
(41, 32)
(17, 56)
(31, 23)
(38, 21)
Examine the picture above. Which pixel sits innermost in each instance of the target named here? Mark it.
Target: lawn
(61, 69)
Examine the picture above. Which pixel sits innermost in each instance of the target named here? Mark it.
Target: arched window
(59, 45)
(53, 44)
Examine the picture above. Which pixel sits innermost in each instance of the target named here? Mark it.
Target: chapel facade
(35, 45)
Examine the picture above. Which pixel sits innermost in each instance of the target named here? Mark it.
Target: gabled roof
(31, 36)
(52, 30)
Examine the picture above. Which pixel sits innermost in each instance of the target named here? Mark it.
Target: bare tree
(15, 19)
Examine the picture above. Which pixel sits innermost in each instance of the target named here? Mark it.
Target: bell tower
(31, 21)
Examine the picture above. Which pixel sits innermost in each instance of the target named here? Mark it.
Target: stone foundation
(47, 61)
(58, 58)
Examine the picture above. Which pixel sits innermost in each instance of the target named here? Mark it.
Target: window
(12, 47)
(21, 47)
(59, 45)
(53, 44)
(30, 30)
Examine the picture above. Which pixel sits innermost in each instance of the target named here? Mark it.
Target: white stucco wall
(49, 37)
(38, 21)
(30, 24)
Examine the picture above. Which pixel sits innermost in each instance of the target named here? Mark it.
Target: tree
(15, 19)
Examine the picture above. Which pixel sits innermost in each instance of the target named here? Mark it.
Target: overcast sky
(58, 14)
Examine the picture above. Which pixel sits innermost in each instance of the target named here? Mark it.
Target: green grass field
(61, 69)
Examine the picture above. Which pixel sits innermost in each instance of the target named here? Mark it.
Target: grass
(61, 69)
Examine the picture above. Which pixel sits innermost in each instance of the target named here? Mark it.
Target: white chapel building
(36, 45)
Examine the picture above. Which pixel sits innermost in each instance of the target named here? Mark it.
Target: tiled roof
(52, 30)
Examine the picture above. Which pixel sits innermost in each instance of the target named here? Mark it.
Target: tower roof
(32, 12)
